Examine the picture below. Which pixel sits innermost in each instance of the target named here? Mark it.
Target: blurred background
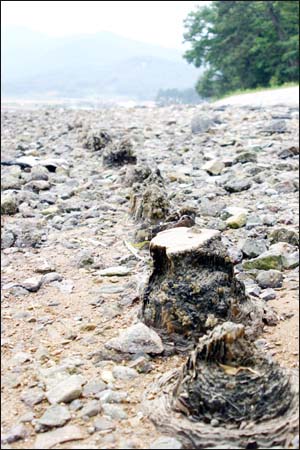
(145, 52)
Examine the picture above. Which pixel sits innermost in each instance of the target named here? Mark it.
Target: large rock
(137, 339)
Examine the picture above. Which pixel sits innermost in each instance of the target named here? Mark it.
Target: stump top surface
(182, 239)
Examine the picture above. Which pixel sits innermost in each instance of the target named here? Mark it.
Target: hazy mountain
(103, 65)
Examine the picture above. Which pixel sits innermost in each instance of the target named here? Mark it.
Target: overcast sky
(157, 22)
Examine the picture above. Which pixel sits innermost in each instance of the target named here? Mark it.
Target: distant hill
(101, 65)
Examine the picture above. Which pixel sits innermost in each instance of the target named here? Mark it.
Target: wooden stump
(192, 287)
(227, 395)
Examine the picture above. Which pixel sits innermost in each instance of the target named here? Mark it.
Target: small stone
(37, 185)
(137, 339)
(110, 396)
(84, 259)
(93, 387)
(32, 396)
(66, 391)
(27, 417)
(44, 267)
(245, 157)
(52, 438)
(50, 277)
(110, 289)
(55, 416)
(92, 408)
(7, 239)
(166, 443)
(119, 271)
(268, 294)
(32, 284)
(103, 424)
(237, 221)
(16, 433)
(290, 261)
(284, 235)
(253, 221)
(254, 247)
(76, 405)
(50, 211)
(113, 411)
(39, 173)
(214, 423)
(124, 373)
(252, 289)
(238, 185)
(18, 291)
(214, 167)
(65, 286)
(269, 279)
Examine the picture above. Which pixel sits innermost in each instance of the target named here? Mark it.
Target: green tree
(243, 44)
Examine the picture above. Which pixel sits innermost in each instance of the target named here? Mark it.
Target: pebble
(254, 247)
(214, 167)
(124, 373)
(58, 436)
(137, 339)
(55, 416)
(118, 271)
(76, 404)
(269, 279)
(93, 387)
(65, 286)
(66, 391)
(50, 277)
(268, 294)
(32, 284)
(113, 411)
(103, 424)
(110, 396)
(32, 396)
(92, 408)
(237, 221)
(16, 433)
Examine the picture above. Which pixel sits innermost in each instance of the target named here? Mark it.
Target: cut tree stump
(227, 395)
(193, 288)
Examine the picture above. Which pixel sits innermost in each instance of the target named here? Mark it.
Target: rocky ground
(73, 264)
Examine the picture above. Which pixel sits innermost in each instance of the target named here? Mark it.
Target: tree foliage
(243, 44)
